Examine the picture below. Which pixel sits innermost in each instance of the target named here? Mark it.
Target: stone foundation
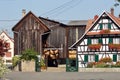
(99, 69)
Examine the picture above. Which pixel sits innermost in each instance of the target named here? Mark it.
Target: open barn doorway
(51, 57)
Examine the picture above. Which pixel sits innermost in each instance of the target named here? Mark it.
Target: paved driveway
(63, 76)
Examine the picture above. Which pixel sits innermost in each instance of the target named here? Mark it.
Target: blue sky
(83, 9)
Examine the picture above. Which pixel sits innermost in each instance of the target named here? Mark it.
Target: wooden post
(66, 48)
(66, 42)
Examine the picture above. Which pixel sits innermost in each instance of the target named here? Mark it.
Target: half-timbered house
(10, 53)
(101, 39)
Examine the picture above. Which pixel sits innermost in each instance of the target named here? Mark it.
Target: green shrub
(117, 65)
(15, 60)
(3, 68)
(42, 62)
(28, 55)
(101, 65)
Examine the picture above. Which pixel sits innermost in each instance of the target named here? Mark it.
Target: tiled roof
(78, 22)
(116, 19)
(92, 22)
(89, 23)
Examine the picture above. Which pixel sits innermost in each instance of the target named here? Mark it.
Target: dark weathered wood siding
(56, 38)
(27, 34)
(75, 32)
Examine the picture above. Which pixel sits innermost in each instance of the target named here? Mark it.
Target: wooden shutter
(101, 26)
(109, 25)
(96, 58)
(110, 40)
(114, 57)
(88, 41)
(85, 58)
(100, 40)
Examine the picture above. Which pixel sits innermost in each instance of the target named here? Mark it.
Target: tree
(3, 69)
(117, 3)
(4, 47)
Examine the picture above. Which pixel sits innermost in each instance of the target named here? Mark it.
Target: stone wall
(99, 69)
(28, 66)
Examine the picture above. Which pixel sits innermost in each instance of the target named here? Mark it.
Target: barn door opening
(52, 58)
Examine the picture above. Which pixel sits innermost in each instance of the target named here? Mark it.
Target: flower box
(94, 46)
(114, 46)
(104, 31)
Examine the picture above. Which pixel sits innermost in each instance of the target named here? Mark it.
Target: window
(95, 41)
(118, 57)
(8, 54)
(91, 58)
(105, 26)
(116, 40)
(8, 61)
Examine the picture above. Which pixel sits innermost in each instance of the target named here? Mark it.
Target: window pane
(94, 41)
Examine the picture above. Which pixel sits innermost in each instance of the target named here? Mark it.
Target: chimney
(95, 17)
(112, 11)
(23, 12)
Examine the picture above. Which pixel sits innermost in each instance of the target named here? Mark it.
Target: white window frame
(118, 57)
(91, 58)
(116, 40)
(94, 41)
(105, 26)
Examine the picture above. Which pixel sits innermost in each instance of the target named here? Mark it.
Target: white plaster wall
(4, 36)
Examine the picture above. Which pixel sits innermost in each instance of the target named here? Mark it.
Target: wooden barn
(29, 33)
(47, 37)
(57, 37)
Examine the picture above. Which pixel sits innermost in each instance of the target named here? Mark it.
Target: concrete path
(63, 76)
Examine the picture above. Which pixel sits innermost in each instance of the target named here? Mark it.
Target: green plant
(15, 60)
(101, 65)
(117, 65)
(42, 62)
(3, 68)
(28, 55)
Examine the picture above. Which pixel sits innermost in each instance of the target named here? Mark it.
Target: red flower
(94, 46)
(114, 46)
